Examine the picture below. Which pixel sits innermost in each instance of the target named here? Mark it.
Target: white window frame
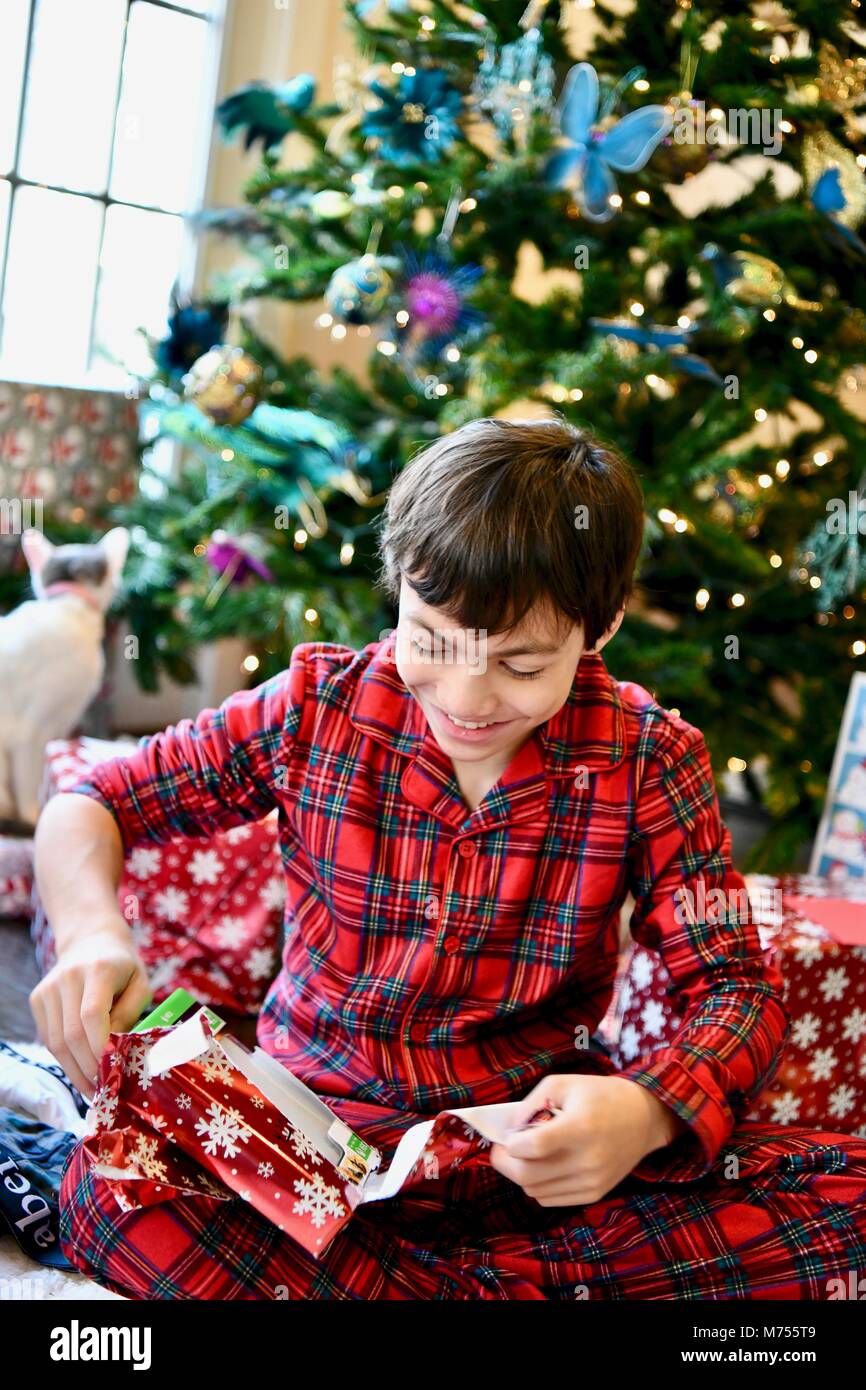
(99, 375)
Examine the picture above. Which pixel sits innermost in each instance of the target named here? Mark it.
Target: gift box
(814, 932)
(203, 1127)
(16, 876)
(205, 913)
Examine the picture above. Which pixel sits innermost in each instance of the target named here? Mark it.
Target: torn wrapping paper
(180, 1112)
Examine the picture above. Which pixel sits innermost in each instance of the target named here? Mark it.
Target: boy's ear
(611, 631)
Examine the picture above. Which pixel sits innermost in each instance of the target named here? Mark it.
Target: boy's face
(508, 683)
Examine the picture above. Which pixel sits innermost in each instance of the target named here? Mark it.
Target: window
(106, 108)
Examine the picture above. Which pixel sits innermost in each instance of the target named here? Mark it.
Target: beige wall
(271, 41)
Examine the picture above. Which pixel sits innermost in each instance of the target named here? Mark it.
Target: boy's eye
(521, 675)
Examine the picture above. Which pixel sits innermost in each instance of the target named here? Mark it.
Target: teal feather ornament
(266, 113)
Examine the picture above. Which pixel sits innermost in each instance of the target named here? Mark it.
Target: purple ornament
(232, 560)
(433, 302)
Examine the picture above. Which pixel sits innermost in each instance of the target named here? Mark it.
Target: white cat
(51, 657)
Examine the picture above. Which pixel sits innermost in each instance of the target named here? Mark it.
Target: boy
(461, 820)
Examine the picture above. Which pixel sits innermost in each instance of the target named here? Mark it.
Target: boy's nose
(466, 698)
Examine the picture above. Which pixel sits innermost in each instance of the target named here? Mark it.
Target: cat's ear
(37, 550)
(115, 545)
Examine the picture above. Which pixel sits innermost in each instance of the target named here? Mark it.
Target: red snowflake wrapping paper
(203, 1129)
(821, 1081)
(16, 876)
(205, 913)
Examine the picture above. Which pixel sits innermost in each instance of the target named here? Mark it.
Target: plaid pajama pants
(793, 1218)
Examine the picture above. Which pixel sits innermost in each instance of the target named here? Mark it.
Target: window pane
(74, 70)
(13, 44)
(141, 253)
(159, 124)
(50, 275)
(5, 195)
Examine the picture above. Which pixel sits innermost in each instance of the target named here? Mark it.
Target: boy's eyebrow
(522, 649)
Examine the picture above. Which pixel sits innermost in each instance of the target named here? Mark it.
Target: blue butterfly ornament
(592, 153)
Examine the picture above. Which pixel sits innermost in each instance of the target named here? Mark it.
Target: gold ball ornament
(675, 162)
(756, 281)
(225, 384)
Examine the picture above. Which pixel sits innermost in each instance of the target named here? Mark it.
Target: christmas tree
(656, 238)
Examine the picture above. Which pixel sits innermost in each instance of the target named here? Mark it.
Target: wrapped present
(178, 1112)
(205, 913)
(16, 876)
(814, 931)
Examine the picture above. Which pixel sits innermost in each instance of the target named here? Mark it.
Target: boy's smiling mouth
(469, 730)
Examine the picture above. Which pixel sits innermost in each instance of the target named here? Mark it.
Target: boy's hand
(606, 1126)
(99, 985)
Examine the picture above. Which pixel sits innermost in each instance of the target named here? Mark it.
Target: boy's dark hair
(483, 523)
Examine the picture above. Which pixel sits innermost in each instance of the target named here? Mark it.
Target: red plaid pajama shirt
(437, 958)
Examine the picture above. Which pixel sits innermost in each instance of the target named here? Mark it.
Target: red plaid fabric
(781, 1216)
(436, 958)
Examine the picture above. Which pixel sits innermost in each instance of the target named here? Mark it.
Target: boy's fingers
(94, 1013)
(74, 1034)
(541, 1140)
(38, 1011)
(523, 1171)
(56, 1043)
(129, 1005)
(556, 1093)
